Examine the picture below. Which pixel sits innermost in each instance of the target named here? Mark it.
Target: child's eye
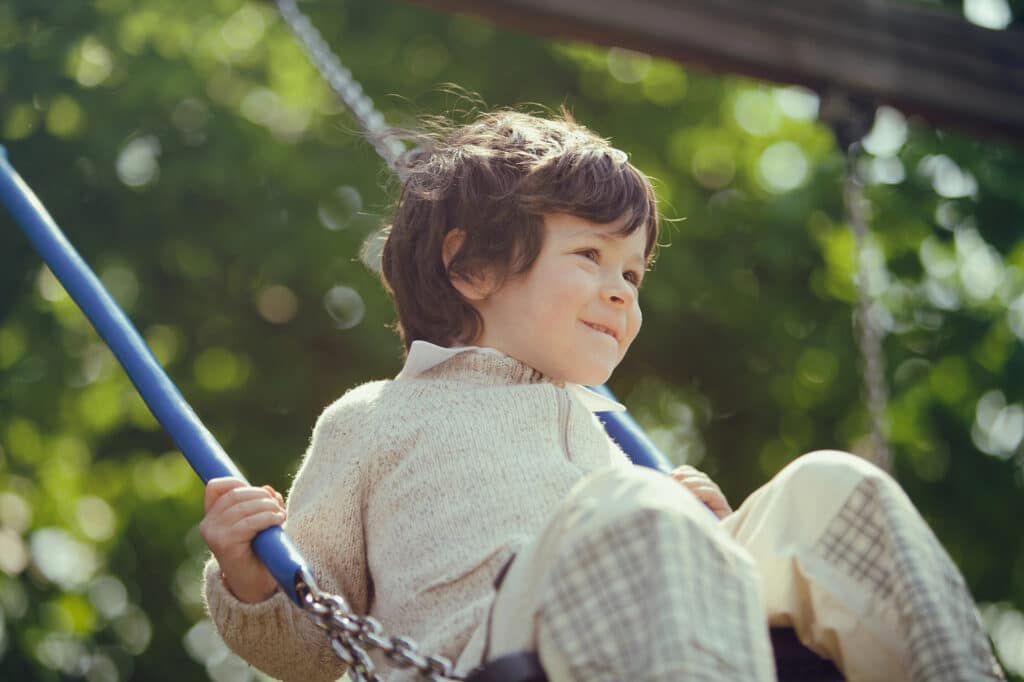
(633, 277)
(590, 254)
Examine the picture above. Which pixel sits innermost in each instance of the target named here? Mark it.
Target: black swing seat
(793, 663)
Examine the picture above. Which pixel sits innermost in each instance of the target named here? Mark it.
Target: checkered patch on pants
(652, 596)
(882, 543)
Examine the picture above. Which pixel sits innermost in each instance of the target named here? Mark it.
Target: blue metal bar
(200, 448)
(624, 430)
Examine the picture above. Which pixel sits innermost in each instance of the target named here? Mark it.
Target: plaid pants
(633, 579)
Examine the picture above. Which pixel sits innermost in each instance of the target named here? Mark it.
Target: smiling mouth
(603, 329)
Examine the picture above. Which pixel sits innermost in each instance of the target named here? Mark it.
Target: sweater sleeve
(325, 508)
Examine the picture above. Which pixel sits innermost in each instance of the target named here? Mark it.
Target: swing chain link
(851, 118)
(349, 91)
(352, 635)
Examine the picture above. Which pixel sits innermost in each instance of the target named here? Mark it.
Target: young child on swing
(515, 260)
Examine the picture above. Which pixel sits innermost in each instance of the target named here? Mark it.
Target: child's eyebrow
(602, 235)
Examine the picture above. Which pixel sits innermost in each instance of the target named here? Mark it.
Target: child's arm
(324, 512)
(706, 490)
(234, 514)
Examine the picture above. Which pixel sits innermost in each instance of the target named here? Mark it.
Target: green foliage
(204, 170)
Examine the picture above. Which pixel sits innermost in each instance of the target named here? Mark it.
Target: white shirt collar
(424, 355)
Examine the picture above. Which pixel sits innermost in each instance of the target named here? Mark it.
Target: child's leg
(633, 579)
(846, 559)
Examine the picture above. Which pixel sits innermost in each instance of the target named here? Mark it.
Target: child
(515, 261)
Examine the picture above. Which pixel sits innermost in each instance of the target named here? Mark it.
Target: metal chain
(851, 119)
(869, 336)
(352, 635)
(349, 91)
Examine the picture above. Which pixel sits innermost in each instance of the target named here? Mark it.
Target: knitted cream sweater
(413, 494)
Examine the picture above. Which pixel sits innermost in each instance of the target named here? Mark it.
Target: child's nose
(619, 293)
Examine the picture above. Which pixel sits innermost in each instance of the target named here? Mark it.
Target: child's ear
(473, 288)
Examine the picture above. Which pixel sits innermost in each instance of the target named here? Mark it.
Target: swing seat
(793, 663)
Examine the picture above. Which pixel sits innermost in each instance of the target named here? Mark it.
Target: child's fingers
(687, 471)
(237, 495)
(217, 487)
(237, 513)
(277, 495)
(240, 523)
(249, 526)
(705, 492)
(713, 498)
(705, 489)
(687, 475)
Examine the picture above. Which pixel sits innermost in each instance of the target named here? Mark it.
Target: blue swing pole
(195, 441)
(624, 430)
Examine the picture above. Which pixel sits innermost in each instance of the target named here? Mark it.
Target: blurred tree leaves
(207, 174)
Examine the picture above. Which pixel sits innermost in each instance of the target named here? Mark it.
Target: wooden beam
(922, 61)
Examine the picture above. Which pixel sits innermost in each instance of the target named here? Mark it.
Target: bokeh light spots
(338, 208)
(628, 66)
(15, 512)
(756, 112)
(797, 102)
(888, 134)
(993, 14)
(714, 165)
(345, 306)
(49, 287)
(13, 552)
(109, 596)
(96, 518)
(219, 369)
(1005, 625)
(998, 427)
(426, 57)
(23, 442)
(133, 629)
(92, 63)
(101, 406)
(665, 83)
(121, 284)
(164, 341)
(12, 345)
(61, 559)
(168, 475)
(947, 178)
(64, 117)
(138, 162)
(21, 121)
(264, 107)
(277, 304)
(782, 167)
(243, 29)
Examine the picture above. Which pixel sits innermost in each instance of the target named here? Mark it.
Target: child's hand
(235, 513)
(706, 490)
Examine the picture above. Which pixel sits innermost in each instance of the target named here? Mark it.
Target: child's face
(575, 313)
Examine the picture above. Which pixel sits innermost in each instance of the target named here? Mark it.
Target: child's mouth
(601, 328)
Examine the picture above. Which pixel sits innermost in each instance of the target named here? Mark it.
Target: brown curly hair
(495, 179)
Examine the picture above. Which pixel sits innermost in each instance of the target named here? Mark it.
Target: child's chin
(595, 376)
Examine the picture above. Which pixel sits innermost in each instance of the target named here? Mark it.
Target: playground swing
(350, 634)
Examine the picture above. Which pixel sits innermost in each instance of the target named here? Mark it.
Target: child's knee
(643, 510)
(823, 468)
(637, 491)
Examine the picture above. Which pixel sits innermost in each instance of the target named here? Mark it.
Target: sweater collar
(424, 356)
